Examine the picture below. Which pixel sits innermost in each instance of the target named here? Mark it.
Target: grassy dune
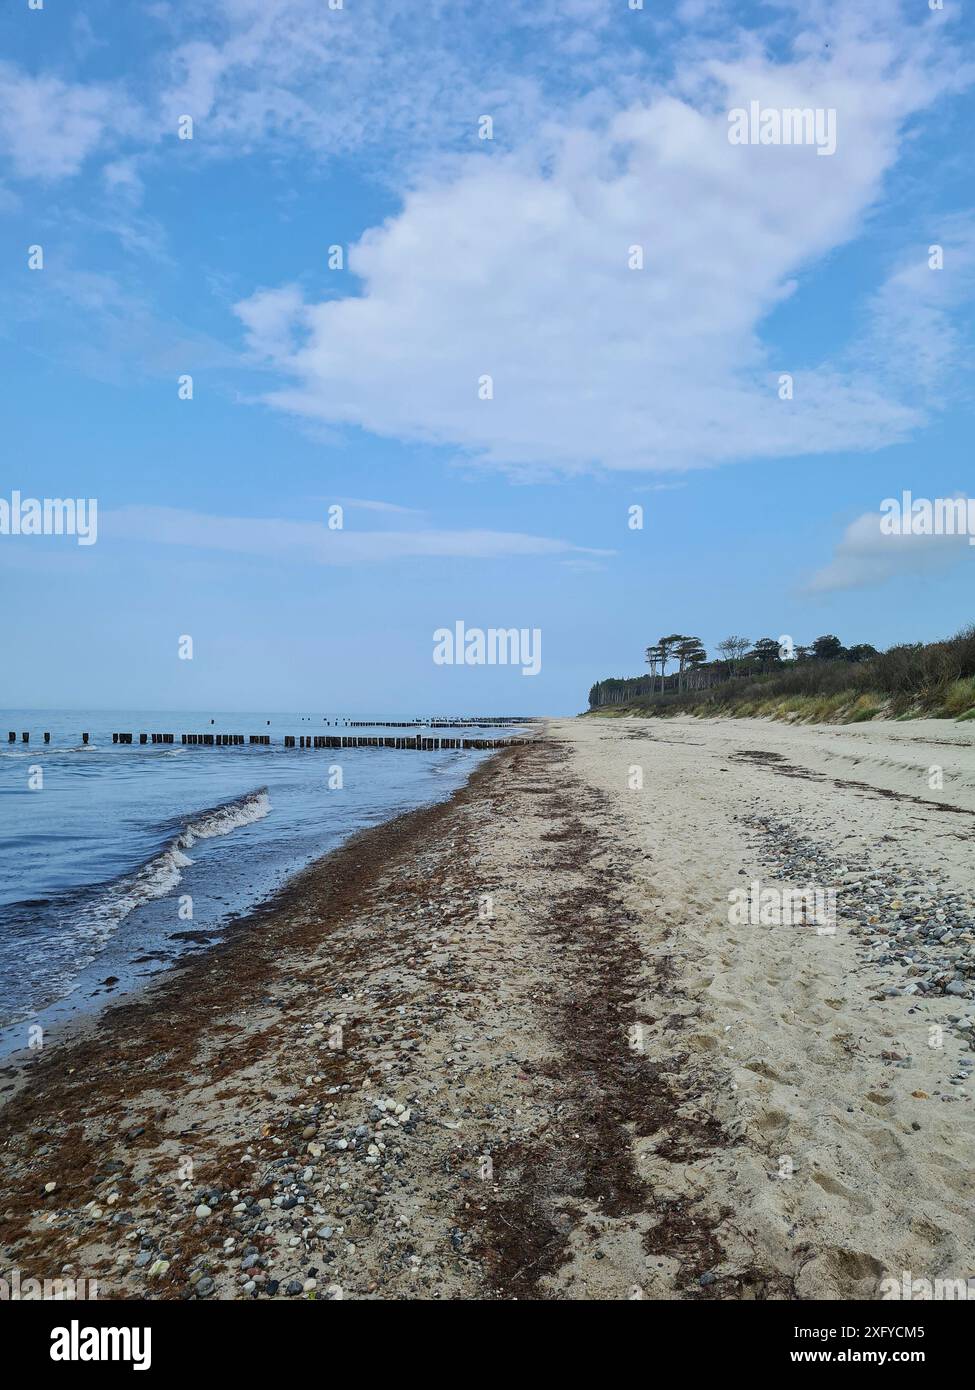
(931, 681)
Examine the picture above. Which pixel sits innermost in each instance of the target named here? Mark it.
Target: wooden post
(47, 738)
(84, 738)
(25, 737)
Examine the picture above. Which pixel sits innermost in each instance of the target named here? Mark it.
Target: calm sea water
(100, 846)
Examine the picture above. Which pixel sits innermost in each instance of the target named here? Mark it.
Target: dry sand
(562, 1071)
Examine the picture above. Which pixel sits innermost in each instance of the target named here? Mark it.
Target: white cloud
(50, 127)
(913, 337)
(312, 542)
(866, 556)
(514, 266)
(395, 75)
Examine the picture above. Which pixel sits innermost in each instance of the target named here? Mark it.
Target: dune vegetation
(823, 683)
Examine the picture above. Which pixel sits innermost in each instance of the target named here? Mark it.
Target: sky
(487, 277)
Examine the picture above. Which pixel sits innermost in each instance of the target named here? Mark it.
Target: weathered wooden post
(84, 738)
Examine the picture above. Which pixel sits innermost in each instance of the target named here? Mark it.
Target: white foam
(223, 819)
(161, 874)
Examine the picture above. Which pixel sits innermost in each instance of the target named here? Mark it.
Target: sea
(118, 860)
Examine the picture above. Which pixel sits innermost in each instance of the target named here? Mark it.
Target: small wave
(162, 873)
(220, 820)
(87, 919)
(116, 901)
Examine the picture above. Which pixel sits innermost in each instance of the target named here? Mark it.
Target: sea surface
(106, 849)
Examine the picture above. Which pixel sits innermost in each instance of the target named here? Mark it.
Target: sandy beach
(519, 1046)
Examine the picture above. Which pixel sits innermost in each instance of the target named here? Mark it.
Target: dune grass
(934, 680)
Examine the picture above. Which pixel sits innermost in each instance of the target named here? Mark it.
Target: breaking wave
(85, 921)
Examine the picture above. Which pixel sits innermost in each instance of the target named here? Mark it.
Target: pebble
(905, 920)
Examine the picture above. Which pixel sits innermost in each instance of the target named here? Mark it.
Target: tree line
(736, 658)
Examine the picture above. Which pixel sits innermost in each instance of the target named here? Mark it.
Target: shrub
(937, 677)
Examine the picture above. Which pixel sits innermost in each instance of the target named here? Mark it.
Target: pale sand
(621, 1164)
(782, 1021)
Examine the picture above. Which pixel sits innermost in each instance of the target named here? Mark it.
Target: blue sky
(359, 127)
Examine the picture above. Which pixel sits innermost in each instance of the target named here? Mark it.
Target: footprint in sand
(836, 1189)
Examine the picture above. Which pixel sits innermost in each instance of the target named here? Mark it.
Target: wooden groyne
(430, 743)
(418, 743)
(25, 737)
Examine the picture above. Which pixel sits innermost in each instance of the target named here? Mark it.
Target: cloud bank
(311, 542)
(501, 315)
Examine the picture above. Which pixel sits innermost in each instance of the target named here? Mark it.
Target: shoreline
(143, 950)
(101, 1061)
(513, 1045)
(359, 853)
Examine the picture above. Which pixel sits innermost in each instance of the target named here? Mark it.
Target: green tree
(654, 657)
(666, 646)
(734, 648)
(688, 650)
(862, 652)
(766, 653)
(827, 648)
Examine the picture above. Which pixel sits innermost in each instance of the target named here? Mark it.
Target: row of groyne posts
(419, 742)
(25, 737)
